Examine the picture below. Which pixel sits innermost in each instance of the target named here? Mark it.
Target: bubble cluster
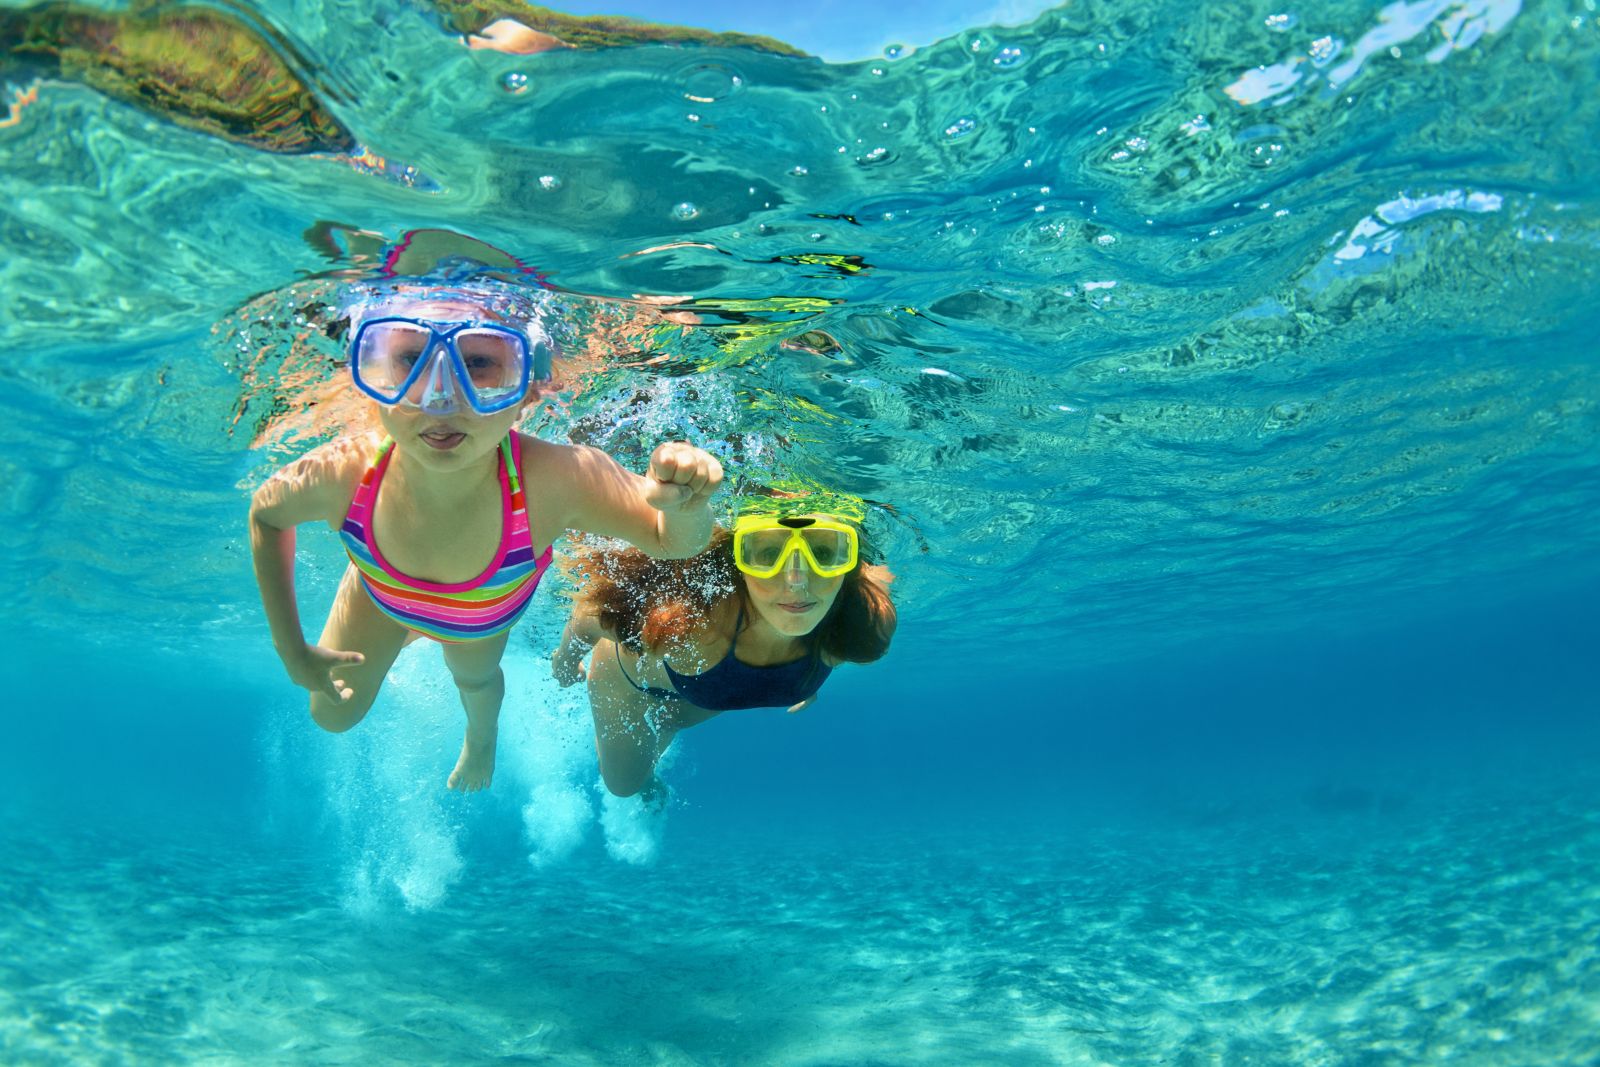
(1325, 49)
(1263, 145)
(514, 82)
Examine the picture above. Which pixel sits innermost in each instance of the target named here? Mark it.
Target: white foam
(385, 785)
(632, 828)
(382, 784)
(546, 755)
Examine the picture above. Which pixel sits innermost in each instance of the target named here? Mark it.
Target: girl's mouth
(797, 609)
(443, 440)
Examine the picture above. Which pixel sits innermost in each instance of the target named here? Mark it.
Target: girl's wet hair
(510, 305)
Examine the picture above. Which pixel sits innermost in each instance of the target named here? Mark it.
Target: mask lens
(387, 353)
(763, 550)
(830, 549)
(496, 362)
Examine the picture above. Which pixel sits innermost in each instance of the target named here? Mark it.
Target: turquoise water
(1224, 386)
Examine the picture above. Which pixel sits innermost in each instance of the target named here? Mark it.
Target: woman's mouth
(443, 440)
(798, 609)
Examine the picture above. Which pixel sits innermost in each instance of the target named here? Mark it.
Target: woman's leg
(631, 729)
(475, 666)
(356, 625)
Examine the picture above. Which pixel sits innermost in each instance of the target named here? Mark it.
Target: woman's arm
(582, 632)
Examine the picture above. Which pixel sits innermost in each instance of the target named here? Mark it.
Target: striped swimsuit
(485, 606)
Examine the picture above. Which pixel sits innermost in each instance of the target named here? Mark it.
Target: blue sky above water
(836, 30)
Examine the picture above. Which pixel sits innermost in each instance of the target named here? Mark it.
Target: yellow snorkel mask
(764, 544)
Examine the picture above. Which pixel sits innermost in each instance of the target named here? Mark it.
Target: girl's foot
(475, 768)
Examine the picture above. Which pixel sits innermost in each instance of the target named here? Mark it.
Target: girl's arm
(315, 487)
(666, 513)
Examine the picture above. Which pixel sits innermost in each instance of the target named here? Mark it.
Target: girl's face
(794, 601)
(461, 438)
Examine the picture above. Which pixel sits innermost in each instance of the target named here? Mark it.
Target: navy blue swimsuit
(734, 686)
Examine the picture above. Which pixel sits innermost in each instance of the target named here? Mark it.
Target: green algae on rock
(200, 68)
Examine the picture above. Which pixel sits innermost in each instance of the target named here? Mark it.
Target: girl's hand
(314, 667)
(682, 476)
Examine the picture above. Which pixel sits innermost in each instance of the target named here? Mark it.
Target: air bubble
(706, 83)
(874, 157)
(1281, 23)
(960, 128)
(515, 82)
(799, 171)
(685, 211)
(1009, 56)
(1105, 240)
(549, 182)
(1324, 49)
(894, 51)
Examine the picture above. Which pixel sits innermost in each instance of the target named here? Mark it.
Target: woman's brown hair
(648, 602)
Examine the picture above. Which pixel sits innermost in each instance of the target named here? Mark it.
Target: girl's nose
(437, 387)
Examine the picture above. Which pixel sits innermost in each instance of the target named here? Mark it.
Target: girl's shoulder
(540, 459)
(342, 462)
(320, 484)
(563, 477)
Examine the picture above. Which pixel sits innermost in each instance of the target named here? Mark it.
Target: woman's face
(795, 600)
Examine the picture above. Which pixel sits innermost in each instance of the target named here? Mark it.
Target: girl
(448, 518)
(758, 620)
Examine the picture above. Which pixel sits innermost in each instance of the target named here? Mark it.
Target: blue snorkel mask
(435, 366)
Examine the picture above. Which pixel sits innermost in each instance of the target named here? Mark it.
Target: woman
(758, 620)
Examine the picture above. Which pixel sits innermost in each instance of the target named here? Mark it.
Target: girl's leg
(631, 729)
(356, 625)
(475, 665)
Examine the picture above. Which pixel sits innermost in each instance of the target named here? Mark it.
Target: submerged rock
(200, 68)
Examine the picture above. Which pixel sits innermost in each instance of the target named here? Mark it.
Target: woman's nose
(794, 572)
